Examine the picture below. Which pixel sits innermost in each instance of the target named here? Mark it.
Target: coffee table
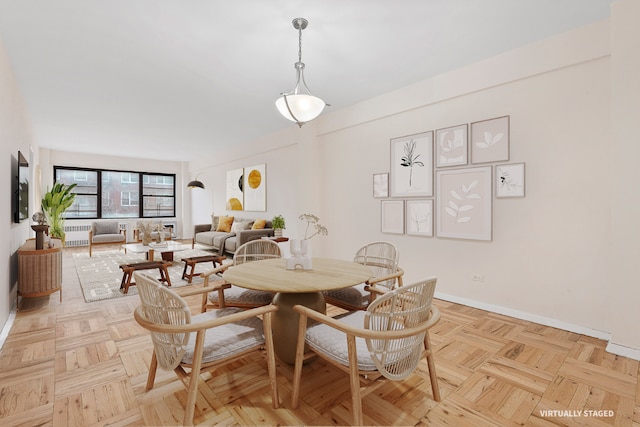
(166, 249)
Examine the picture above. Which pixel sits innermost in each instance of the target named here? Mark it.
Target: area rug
(100, 275)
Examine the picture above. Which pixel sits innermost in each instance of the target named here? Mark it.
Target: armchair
(105, 232)
(221, 336)
(388, 340)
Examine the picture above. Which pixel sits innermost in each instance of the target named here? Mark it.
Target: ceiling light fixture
(299, 105)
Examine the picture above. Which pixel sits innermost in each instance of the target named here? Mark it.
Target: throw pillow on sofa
(240, 225)
(225, 224)
(259, 224)
(215, 220)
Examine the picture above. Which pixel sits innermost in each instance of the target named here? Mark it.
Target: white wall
(549, 258)
(15, 135)
(624, 250)
(545, 257)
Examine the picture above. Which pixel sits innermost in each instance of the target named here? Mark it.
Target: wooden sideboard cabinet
(39, 271)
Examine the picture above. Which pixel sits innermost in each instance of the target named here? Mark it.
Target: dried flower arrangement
(313, 226)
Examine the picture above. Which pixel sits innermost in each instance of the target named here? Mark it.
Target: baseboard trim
(620, 350)
(4, 334)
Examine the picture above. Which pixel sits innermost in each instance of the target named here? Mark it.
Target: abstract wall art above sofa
(247, 189)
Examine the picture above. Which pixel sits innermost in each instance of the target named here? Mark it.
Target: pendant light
(299, 105)
(195, 183)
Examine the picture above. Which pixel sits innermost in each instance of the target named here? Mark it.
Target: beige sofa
(226, 243)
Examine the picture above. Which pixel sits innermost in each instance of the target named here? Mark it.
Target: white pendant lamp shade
(304, 107)
(299, 105)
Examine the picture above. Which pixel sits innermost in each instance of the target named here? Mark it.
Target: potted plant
(278, 225)
(54, 203)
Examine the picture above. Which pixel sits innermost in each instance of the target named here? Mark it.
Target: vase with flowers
(300, 247)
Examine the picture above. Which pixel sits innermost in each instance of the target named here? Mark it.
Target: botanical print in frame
(510, 180)
(380, 185)
(412, 165)
(451, 146)
(419, 217)
(255, 188)
(490, 140)
(464, 203)
(235, 197)
(392, 216)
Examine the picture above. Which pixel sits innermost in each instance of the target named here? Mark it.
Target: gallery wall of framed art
(442, 183)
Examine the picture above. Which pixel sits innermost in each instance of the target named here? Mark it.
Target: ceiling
(172, 79)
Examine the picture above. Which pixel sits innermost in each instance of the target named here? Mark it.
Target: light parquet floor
(85, 364)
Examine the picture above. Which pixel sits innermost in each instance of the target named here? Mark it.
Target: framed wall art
(464, 203)
(235, 183)
(419, 221)
(380, 185)
(490, 140)
(451, 146)
(392, 216)
(254, 188)
(411, 172)
(510, 180)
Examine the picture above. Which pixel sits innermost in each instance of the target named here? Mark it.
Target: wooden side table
(39, 270)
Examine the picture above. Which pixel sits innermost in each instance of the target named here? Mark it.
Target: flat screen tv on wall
(21, 189)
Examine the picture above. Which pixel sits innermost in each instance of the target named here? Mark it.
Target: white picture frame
(235, 196)
(380, 185)
(254, 188)
(452, 146)
(419, 217)
(464, 203)
(411, 171)
(392, 216)
(490, 140)
(510, 180)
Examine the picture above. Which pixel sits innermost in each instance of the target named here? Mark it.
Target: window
(80, 176)
(158, 196)
(86, 203)
(119, 189)
(128, 178)
(117, 194)
(129, 198)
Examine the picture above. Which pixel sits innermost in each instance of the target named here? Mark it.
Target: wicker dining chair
(235, 296)
(388, 340)
(382, 259)
(219, 336)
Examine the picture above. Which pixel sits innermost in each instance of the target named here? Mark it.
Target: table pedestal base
(285, 321)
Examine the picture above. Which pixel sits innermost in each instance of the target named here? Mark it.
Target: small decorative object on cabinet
(40, 230)
(39, 271)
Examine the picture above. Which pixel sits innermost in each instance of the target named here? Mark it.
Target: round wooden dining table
(292, 287)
